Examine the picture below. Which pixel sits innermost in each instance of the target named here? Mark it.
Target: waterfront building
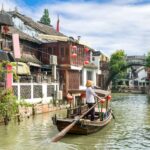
(101, 60)
(57, 63)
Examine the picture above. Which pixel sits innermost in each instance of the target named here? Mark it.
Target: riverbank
(132, 113)
(28, 111)
(130, 90)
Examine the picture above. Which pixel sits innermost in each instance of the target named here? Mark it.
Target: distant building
(101, 60)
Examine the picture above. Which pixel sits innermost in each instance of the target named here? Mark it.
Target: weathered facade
(28, 88)
(38, 42)
(71, 56)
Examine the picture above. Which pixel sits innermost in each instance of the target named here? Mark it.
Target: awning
(46, 67)
(21, 68)
(75, 68)
(60, 38)
(53, 37)
(34, 64)
(28, 58)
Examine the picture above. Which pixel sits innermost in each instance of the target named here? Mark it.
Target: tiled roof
(5, 18)
(3, 56)
(23, 35)
(6, 56)
(29, 58)
(36, 25)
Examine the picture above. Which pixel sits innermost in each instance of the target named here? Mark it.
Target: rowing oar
(113, 115)
(65, 130)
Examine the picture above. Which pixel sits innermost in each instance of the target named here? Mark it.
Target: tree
(117, 61)
(148, 60)
(45, 19)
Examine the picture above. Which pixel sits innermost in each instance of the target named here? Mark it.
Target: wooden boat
(84, 125)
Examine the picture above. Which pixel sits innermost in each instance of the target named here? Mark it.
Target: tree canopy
(148, 60)
(117, 61)
(45, 19)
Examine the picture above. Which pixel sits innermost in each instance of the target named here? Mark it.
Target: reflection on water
(130, 130)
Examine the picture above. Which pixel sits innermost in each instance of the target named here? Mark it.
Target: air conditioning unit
(53, 60)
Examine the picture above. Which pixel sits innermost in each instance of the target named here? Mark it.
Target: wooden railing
(72, 112)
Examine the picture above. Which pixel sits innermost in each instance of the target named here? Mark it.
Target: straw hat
(89, 83)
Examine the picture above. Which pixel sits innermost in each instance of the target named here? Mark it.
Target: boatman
(90, 94)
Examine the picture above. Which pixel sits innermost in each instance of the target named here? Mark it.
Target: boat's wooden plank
(66, 119)
(99, 92)
(97, 122)
(102, 92)
(84, 126)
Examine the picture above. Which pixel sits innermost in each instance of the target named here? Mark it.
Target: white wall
(84, 77)
(142, 74)
(44, 98)
(97, 63)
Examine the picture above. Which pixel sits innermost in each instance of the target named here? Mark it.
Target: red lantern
(86, 62)
(83, 95)
(109, 97)
(5, 29)
(102, 101)
(74, 47)
(74, 55)
(86, 49)
(69, 98)
(9, 67)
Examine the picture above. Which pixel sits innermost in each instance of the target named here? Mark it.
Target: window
(89, 75)
(67, 51)
(54, 50)
(62, 51)
(50, 50)
(93, 58)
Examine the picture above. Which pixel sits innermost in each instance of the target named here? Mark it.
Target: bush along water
(8, 105)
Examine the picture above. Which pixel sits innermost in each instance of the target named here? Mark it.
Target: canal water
(129, 131)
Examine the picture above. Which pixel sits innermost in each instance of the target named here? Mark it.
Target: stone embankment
(26, 112)
(39, 109)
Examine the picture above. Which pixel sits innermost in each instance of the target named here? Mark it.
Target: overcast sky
(105, 25)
